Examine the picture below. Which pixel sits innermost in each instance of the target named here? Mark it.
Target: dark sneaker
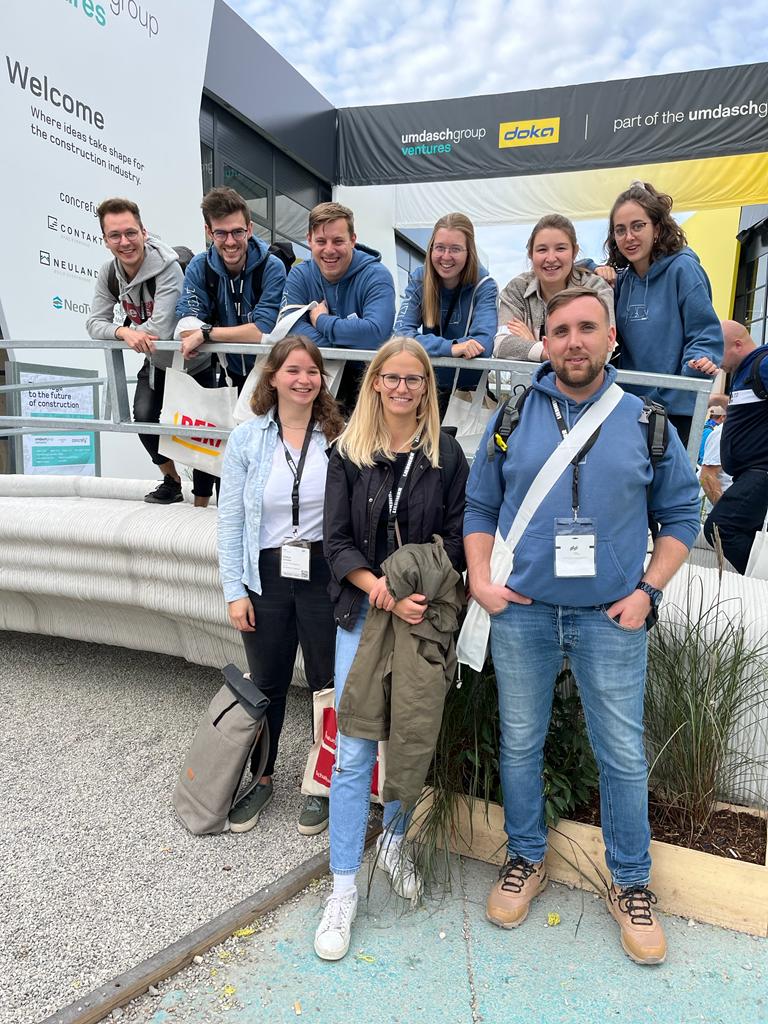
(246, 811)
(641, 933)
(314, 816)
(166, 493)
(510, 898)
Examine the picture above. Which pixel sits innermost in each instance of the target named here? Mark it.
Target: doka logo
(204, 445)
(538, 132)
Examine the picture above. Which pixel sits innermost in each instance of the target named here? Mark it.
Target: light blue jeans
(352, 774)
(528, 643)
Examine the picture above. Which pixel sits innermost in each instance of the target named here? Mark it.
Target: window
(409, 256)
(751, 306)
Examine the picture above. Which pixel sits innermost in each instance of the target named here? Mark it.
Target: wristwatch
(205, 330)
(653, 592)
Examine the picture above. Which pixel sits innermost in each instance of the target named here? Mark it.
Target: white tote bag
(757, 566)
(188, 404)
(469, 412)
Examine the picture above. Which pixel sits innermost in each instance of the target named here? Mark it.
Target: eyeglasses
(130, 235)
(453, 250)
(635, 227)
(391, 381)
(238, 234)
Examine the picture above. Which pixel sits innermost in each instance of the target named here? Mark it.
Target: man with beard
(577, 589)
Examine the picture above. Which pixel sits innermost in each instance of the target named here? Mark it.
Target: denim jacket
(247, 465)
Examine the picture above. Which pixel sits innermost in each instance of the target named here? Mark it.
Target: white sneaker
(396, 860)
(332, 935)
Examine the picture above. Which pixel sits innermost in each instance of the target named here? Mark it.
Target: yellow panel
(712, 236)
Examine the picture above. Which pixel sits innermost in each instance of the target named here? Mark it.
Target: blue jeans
(352, 774)
(528, 643)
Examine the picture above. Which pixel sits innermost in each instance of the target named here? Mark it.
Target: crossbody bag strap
(558, 462)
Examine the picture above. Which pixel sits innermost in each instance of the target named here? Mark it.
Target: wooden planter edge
(688, 883)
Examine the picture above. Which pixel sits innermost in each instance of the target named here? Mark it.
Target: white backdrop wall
(99, 98)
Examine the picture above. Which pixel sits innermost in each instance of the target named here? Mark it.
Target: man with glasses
(232, 291)
(354, 291)
(144, 278)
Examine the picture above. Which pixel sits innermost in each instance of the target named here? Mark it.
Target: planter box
(689, 883)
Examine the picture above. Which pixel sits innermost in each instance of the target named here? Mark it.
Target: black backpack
(756, 381)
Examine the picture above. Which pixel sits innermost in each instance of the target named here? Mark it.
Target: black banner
(665, 118)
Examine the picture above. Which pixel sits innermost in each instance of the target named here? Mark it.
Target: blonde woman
(450, 302)
(393, 478)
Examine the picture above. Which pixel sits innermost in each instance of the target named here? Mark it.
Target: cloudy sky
(358, 52)
(371, 51)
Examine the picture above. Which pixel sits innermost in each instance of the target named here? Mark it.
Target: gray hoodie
(155, 316)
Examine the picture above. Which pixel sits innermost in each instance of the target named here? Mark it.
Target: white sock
(343, 885)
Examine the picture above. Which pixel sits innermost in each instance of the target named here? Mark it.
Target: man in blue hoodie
(232, 291)
(354, 290)
(577, 589)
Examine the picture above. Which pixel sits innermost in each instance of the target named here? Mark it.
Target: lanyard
(237, 294)
(577, 457)
(444, 324)
(295, 470)
(394, 500)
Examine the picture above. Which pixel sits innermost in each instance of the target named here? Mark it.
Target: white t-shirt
(276, 511)
(712, 458)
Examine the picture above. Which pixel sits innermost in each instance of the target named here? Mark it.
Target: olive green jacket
(401, 674)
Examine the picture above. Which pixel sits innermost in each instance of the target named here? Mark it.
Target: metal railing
(117, 403)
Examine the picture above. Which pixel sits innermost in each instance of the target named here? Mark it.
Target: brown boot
(641, 933)
(510, 898)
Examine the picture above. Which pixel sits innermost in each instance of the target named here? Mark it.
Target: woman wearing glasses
(552, 250)
(664, 314)
(450, 303)
(393, 478)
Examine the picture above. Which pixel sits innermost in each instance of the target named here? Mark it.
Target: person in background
(715, 416)
(450, 303)
(232, 290)
(145, 278)
(270, 526)
(664, 315)
(741, 510)
(712, 477)
(393, 477)
(552, 250)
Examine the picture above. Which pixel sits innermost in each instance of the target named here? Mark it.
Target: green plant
(707, 687)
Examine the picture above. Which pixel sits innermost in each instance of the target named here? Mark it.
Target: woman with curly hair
(270, 529)
(664, 314)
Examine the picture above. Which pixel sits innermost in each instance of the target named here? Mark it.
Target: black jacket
(355, 498)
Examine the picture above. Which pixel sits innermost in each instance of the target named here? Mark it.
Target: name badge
(295, 560)
(575, 547)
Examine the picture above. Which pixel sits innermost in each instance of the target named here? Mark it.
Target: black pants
(147, 406)
(739, 515)
(289, 612)
(682, 425)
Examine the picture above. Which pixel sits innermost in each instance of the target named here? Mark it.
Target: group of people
(347, 529)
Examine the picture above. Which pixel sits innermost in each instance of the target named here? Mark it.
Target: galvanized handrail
(118, 402)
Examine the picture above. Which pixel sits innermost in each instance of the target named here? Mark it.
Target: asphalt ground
(96, 872)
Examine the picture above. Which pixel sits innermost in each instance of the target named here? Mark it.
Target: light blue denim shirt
(247, 465)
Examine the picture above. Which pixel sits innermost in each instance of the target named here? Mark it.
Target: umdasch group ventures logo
(93, 11)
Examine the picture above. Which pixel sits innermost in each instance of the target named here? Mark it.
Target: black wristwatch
(653, 592)
(205, 330)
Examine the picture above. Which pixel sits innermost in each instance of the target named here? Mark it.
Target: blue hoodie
(663, 320)
(613, 484)
(438, 340)
(195, 301)
(361, 303)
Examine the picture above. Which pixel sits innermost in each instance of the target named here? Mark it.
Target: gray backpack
(233, 726)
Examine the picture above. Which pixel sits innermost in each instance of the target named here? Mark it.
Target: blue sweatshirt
(437, 339)
(361, 303)
(613, 483)
(260, 310)
(663, 320)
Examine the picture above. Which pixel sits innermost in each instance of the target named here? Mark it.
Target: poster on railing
(99, 98)
(54, 454)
